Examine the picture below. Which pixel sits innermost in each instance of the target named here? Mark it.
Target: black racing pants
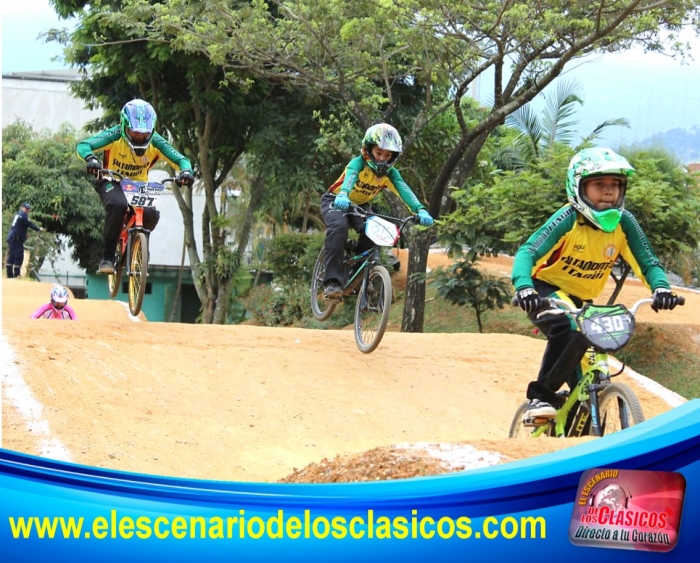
(115, 205)
(337, 227)
(15, 257)
(563, 354)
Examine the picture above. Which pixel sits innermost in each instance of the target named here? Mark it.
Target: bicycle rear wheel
(619, 408)
(372, 309)
(114, 280)
(138, 272)
(320, 307)
(518, 429)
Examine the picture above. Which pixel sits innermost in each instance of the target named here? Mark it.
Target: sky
(653, 92)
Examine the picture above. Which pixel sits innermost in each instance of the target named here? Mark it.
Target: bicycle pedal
(535, 421)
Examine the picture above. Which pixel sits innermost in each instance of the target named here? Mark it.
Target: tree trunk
(414, 304)
(180, 273)
(413, 312)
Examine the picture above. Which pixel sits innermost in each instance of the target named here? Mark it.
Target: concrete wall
(43, 100)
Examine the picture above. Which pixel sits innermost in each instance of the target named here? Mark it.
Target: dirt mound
(248, 403)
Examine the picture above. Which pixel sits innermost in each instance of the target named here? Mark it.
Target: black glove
(94, 165)
(185, 177)
(664, 299)
(528, 299)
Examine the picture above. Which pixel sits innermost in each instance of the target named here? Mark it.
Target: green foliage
(42, 167)
(292, 256)
(276, 306)
(665, 199)
(500, 215)
(464, 285)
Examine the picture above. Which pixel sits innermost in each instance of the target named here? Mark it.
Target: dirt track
(251, 404)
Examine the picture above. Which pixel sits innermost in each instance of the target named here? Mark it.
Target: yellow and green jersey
(361, 185)
(571, 254)
(120, 157)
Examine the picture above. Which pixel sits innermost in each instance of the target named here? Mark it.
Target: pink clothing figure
(48, 311)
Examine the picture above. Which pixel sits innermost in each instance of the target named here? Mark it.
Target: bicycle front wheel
(138, 272)
(619, 408)
(114, 280)
(372, 310)
(320, 307)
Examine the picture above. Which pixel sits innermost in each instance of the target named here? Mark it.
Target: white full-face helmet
(59, 297)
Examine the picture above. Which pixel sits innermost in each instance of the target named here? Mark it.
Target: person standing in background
(16, 239)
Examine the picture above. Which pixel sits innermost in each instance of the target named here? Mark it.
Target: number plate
(609, 327)
(381, 232)
(141, 194)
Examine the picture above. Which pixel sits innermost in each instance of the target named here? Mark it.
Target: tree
(465, 285)
(358, 52)
(41, 167)
(208, 116)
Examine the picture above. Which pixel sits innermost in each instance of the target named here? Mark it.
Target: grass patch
(668, 354)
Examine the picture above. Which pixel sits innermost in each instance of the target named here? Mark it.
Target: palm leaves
(529, 136)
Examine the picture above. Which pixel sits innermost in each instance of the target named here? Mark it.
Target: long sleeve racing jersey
(361, 185)
(571, 254)
(119, 156)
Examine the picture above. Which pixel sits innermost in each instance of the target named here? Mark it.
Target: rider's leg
(563, 353)
(115, 205)
(336, 234)
(563, 361)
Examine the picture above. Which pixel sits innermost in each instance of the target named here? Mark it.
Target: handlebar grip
(681, 300)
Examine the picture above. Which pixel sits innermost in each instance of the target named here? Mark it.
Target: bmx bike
(595, 406)
(365, 277)
(131, 253)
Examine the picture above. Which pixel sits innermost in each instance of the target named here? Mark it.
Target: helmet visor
(138, 139)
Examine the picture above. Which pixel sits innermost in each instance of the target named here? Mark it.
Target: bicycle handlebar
(552, 302)
(114, 175)
(360, 212)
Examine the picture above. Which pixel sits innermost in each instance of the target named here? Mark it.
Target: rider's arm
(540, 246)
(39, 313)
(399, 186)
(98, 142)
(348, 179)
(639, 254)
(169, 153)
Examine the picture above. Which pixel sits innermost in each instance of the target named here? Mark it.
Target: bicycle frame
(369, 257)
(596, 376)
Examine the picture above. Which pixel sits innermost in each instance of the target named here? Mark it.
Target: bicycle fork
(131, 233)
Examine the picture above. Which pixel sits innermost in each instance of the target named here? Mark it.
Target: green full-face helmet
(385, 137)
(593, 162)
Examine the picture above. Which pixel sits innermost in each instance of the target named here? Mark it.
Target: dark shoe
(106, 267)
(332, 291)
(539, 409)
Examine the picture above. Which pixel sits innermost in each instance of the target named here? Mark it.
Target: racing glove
(185, 177)
(424, 218)
(93, 165)
(664, 299)
(342, 202)
(528, 299)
